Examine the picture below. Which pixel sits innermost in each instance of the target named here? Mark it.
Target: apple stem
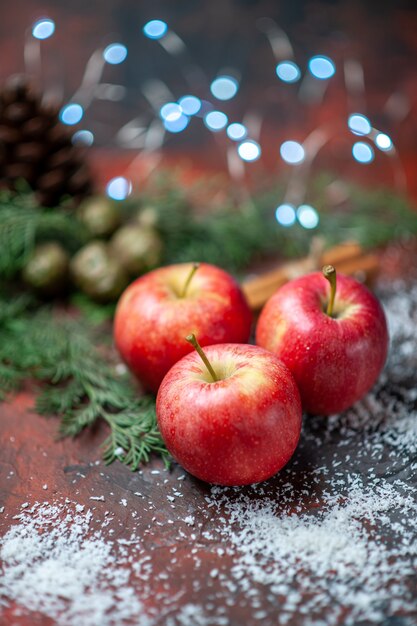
(330, 273)
(189, 279)
(192, 339)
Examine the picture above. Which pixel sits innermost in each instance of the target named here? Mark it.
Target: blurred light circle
(236, 131)
(177, 125)
(224, 87)
(285, 214)
(190, 105)
(118, 188)
(249, 150)
(383, 142)
(115, 53)
(170, 112)
(44, 28)
(359, 124)
(84, 137)
(292, 152)
(288, 71)
(71, 113)
(215, 120)
(155, 29)
(363, 152)
(307, 216)
(321, 67)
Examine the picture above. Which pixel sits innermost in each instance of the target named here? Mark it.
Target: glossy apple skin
(235, 431)
(335, 361)
(151, 321)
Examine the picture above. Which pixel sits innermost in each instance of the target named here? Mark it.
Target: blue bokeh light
(190, 105)
(215, 120)
(224, 87)
(285, 214)
(71, 113)
(384, 142)
(236, 131)
(307, 216)
(363, 152)
(177, 125)
(288, 71)
(83, 137)
(170, 112)
(115, 53)
(155, 29)
(292, 152)
(119, 188)
(43, 29)
(359, 124)
(321, 67)
(249, 150)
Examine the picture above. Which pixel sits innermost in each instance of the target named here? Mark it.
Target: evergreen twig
(23, 224)
(231, 236)
(77, 383)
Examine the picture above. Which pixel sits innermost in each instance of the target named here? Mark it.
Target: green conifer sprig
(23, 224)
(232, 235)
(77, 383)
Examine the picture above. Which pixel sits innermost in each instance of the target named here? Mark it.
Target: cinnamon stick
(348, 258)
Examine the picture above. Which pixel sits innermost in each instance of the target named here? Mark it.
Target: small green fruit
(100, 216)
(47, 269)
(148, 217)
(97, 273)
(137, 248)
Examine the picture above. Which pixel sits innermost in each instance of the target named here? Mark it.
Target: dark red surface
(32, 457)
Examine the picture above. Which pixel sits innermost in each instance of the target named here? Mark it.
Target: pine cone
(36, 146)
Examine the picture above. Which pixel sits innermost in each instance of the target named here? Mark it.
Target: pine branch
(232, 235)
(10, 379)
(94, 312)
(77, 383)
(132, 442)
(371, 216)
(23, 224)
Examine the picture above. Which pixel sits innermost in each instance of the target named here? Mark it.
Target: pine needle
(77, 383)
(23, 224)
(235, 234)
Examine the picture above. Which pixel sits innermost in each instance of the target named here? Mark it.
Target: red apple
(333, 339)
(237, 425)
(159, 309)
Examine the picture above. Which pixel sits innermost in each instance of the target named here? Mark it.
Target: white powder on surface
(195, 615)
(328, 542)
(338, 550)
(53, 563)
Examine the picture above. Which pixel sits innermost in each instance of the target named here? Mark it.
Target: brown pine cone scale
(37, 147)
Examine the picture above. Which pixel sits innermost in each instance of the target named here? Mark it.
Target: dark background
(226, 35)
